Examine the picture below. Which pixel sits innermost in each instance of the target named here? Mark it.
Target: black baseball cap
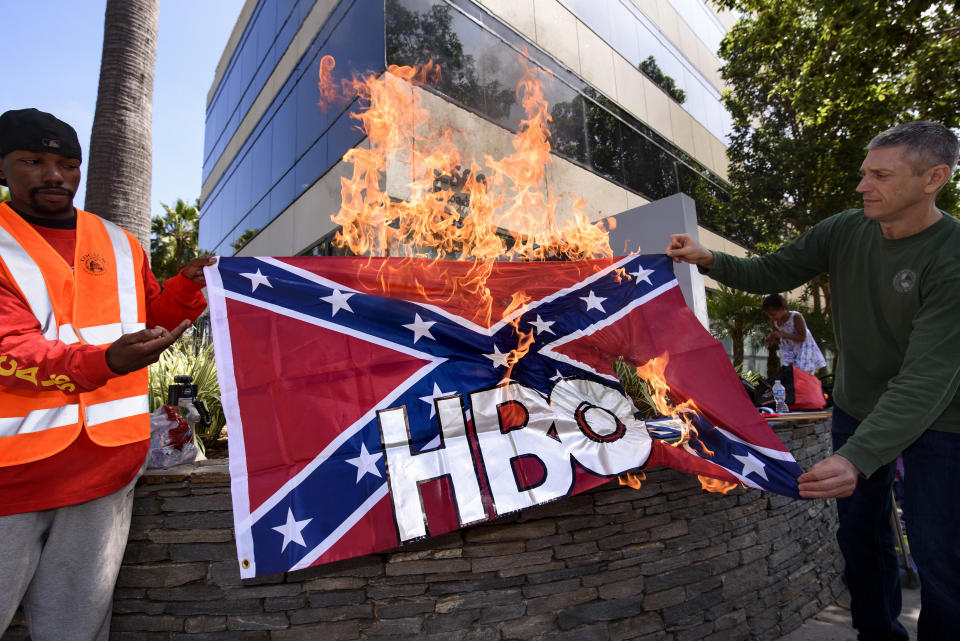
(34, 130)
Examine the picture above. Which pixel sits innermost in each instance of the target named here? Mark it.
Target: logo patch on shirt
(93, 263)
(905, 280)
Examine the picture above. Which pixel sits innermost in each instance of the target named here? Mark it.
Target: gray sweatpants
(63, 565)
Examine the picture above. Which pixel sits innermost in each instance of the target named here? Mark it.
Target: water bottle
(780, 396)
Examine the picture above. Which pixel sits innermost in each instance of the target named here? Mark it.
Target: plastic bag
(171, 436)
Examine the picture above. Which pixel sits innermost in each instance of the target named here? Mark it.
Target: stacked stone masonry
(667, 562)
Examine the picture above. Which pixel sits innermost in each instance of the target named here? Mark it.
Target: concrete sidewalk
(833, 623)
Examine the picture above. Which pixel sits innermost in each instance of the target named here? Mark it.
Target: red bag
(807, 391)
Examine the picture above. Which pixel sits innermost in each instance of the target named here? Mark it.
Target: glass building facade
(255, 169)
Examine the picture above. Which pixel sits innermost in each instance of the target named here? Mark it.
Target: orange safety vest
(95, 303)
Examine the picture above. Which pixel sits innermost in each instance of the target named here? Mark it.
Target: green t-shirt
(896, 314)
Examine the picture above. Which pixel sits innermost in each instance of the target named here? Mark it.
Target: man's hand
(134, 351)
(683, 248)
(194, 269)
(833, 477)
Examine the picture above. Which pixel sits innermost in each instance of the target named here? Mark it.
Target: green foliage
(748, 375)
(662, 80)
(173, 239)
(244, 238)
(636, 388)
(4, 193)
(735, 314)
(191, 355)
(811, 82)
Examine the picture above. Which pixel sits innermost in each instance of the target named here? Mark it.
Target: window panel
(648, 169)
(311, 118)
(284, 132)
(283, 194)
(622, 31)
(568, 128)
(311, 166)
(261, 159)
(341, 136)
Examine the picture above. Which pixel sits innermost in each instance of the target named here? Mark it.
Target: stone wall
(668, 561)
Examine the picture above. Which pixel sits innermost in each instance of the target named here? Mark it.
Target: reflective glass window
(622, 34)
(703, 22)
(568, 129)
(648, 168)
(247, 71)
(284, 139)
(288, 149)
(311, 119)
(341, 136)
(311, 166)
(587, 128)
(261, 166)
(283, 193)
(483, 67)
(609, 20)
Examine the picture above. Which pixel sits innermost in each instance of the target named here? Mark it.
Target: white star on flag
(256, 280)
(642, 275)
(366, 463)
(339, 301)
(420, 328)
(752, 464)
(542, 325)
(437, 393)
(593, 301)
(499, 359)
(292, 530)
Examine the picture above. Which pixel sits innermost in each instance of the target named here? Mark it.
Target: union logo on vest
(93, 263)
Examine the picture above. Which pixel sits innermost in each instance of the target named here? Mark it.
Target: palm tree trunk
(118, 177)
(738, 337)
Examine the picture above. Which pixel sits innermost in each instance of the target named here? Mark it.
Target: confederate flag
(370, 404)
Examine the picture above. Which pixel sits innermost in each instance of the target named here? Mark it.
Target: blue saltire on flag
(372, 402)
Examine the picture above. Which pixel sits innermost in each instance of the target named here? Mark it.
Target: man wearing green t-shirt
(894, 270)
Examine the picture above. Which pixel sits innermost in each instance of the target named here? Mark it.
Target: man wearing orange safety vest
(81, 316)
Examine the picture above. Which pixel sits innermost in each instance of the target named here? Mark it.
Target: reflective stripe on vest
(68, 335)
(119, 408)
(38, 420)
(25, 270)
(126, 282)
(105, 334)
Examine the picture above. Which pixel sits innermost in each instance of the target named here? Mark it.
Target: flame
(519, 300)
(455, 206)
(653, 373)
(717, 485)
(326, 85)
(634, 480)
